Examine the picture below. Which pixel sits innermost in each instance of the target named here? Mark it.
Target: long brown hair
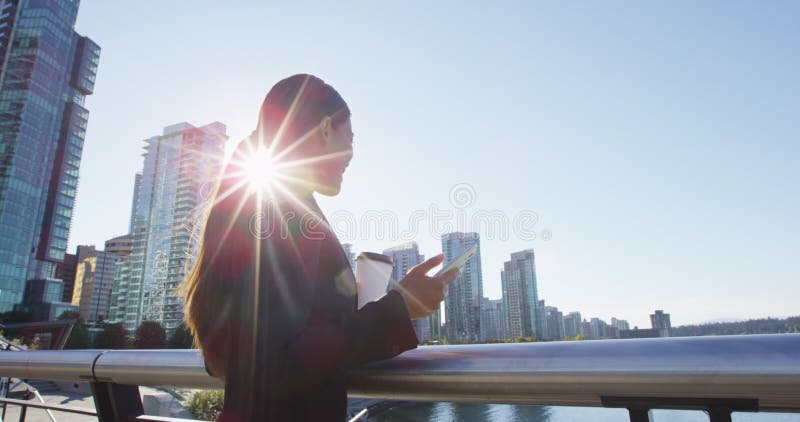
(218, 290)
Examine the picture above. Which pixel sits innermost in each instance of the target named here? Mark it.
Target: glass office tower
(47, 71)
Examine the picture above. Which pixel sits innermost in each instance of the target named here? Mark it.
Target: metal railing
(716, 374)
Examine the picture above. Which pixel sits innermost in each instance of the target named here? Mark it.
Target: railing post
(22, 412)
(639, 414)
(116, 402)
(719, 414)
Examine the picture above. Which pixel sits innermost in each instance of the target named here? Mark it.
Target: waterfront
(463, 412)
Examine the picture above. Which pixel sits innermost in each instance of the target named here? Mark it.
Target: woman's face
(335, 154)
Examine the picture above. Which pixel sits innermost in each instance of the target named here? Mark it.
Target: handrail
(756, 370)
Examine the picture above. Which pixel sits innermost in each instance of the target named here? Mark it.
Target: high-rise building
(621, 324)
(660, 322)
(555, 323)
(94, 279)
(137, 183)
(178, 167)
(492, 327)
(521, 296)
(463, 301)
(65, 271)
(47, 71)
(612, 331)
(406, 257)
(541, 319)
(586, 330)
(82, 253)
(120, 245)
(572, 324)
(437, 328)
(598, 329)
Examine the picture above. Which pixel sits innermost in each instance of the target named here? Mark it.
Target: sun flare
(260, 170)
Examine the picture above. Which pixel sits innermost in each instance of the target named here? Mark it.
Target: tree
(113, 336)
(150, 335)
(206, 405)
(182, 338)
(79, 336)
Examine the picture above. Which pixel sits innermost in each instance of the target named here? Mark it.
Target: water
(446, 412)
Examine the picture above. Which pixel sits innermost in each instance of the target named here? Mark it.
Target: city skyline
(662, 171)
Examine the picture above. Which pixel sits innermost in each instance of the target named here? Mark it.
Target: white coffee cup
(373, 271)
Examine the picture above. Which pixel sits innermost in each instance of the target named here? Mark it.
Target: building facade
(137, 183)
(65, 271)
(492, 320)
(120, 245)
(94, 277)
(620, 324)
(572, 324)
(521, 296)
(94, 280)
(555, 323)
(179, 165)
(47, 71)
(406, 257)
(464, 295)
(661, 322)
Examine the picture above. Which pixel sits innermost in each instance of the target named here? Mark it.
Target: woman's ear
(326, 128)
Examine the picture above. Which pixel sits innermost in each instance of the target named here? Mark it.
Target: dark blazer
(299, 331)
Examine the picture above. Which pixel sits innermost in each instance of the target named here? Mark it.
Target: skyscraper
(406, 257)
(572, 324)
(179, 165)
(598, 329)
(520, 295)
(541, 319)
(660, 322)
(94, 279)
(65, 271)
(492, 327)
(621, 324)
(463, 301)
(47, 70)
(120, 245)
(137, 183)
(555, 323)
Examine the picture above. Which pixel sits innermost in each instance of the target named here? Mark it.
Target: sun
(260, 170)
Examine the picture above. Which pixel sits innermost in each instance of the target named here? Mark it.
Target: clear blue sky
(657, 142)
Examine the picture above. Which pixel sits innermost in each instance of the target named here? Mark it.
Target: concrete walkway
(156, 402)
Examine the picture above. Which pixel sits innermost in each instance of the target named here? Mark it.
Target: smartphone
(458, 262)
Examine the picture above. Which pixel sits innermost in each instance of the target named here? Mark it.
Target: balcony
(719, 375)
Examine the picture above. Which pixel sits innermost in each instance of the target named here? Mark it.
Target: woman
(271, 299)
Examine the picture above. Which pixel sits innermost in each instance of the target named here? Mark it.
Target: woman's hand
(421, 293)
